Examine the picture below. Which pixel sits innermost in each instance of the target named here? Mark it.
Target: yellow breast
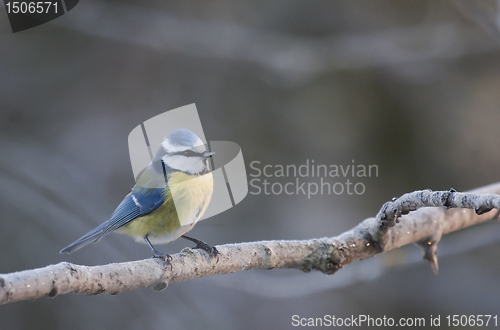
(186, 199)
(191, 195)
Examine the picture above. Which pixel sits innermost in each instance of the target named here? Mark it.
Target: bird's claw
(165, 257)
(212, 250)
(215, 253)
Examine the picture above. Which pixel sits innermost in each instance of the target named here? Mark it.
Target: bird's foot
(163, 256)
(211, 250)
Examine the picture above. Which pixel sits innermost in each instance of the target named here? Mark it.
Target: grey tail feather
(91, 237)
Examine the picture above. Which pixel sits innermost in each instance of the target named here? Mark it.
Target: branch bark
(375, 235)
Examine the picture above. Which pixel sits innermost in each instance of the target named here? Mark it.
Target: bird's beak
(208, 153)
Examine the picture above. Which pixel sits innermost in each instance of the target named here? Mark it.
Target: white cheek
(185, 164)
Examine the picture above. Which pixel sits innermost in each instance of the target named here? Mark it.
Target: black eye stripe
(188, 153)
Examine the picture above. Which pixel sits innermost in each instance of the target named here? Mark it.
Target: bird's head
(182, 150)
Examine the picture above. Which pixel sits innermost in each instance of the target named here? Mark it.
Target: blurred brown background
(412, 86)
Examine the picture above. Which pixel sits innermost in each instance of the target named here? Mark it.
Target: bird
(171, 194)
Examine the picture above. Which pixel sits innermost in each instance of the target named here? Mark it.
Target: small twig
(391, 211)
(372, 236)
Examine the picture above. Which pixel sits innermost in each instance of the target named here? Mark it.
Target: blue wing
(138, 202)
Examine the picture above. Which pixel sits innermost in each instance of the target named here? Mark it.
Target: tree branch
(425, 226)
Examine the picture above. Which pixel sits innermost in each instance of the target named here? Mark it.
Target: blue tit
(170, 196)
